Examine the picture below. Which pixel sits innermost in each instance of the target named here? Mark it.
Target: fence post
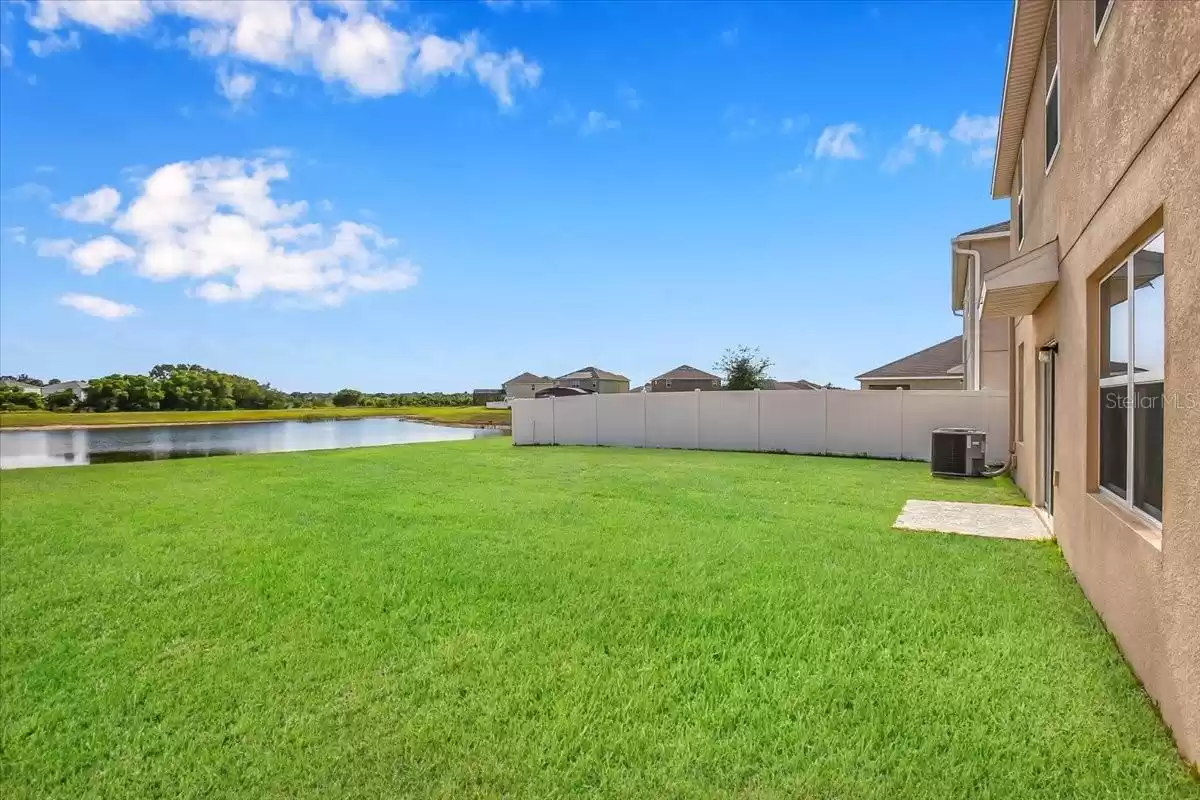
(645, 421)
(757, 419)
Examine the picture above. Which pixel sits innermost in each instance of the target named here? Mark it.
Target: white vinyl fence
(883, 424)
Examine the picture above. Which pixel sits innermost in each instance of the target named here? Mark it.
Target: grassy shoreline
(460, 416)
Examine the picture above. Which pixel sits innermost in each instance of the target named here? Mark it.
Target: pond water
(59, 448)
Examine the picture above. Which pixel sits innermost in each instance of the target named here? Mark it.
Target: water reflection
(59, 448)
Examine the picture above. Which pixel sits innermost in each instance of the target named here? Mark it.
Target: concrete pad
(972, 519)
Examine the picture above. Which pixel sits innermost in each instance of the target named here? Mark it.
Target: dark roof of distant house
(800, 384)
(686, 372)
(562, 391)
(943, 360)
(995, 227)
(594, 374)
(528, 377)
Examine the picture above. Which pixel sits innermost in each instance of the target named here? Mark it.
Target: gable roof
(942, 360)
(529, 377)
(1029, 21)
(995, 227)
(686, 372)
(800, 384)
(591, 373)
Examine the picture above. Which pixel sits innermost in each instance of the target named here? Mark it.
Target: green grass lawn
(473, 619)
(466, 415)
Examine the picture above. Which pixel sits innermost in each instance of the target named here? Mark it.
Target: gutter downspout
(974, 256)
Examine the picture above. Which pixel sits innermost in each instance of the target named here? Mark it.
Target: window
(1020, 392)
(1100, 17)
(1021, 195)
(668, 383)
(1132, 328)
(1053, 105)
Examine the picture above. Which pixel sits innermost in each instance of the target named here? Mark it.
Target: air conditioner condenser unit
(957, 452)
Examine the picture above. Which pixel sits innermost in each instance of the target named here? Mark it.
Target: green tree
(13, 398)
(744, 368)
(63, 400)
(347, 397)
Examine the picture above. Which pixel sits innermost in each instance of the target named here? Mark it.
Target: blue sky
(440, 196)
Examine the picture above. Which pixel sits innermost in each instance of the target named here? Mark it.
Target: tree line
(192, 387)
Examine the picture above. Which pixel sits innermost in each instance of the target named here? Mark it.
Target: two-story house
(526, 385)
(1098, 153)
(684, 378)
(594, 380)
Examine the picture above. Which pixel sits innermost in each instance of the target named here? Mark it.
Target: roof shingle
(687, 372)
(943, 360)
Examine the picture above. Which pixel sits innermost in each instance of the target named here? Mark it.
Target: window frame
(1054, 82)
(1128, 379)
(1099, 29)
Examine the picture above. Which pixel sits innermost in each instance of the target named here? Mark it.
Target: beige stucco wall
(992, 332)
(524, 390)
(892, 383)
(1128, 164)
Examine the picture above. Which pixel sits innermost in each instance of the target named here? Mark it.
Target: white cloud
(97, 306)
(17, 232)
(629, 97)
(918, 138)
(327, 205)
(979, 133)
(350, 43)
(89, 257)
(98, 206)
(29, 191)
(54, 44)
(93, 256)
(110, 16)
(730, 37)
(236, 87)
(598, 122)
(44, 168)
(837, 141)
(6, 56)
(55, 248)
(215, 224)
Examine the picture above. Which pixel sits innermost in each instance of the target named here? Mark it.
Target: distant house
(800, 385)
(684, 378)
(937, 367)
(78, 388)
(480, 397)
(596, 380)
(526, 385)
(25, 387)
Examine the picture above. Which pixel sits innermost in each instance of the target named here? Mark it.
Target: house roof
(528, 377)
(593, 374)
(943, 360)
(995, 227)
(686, 372)
(800, 384)
(1030, 18)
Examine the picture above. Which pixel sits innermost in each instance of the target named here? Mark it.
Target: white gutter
(974, 254)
